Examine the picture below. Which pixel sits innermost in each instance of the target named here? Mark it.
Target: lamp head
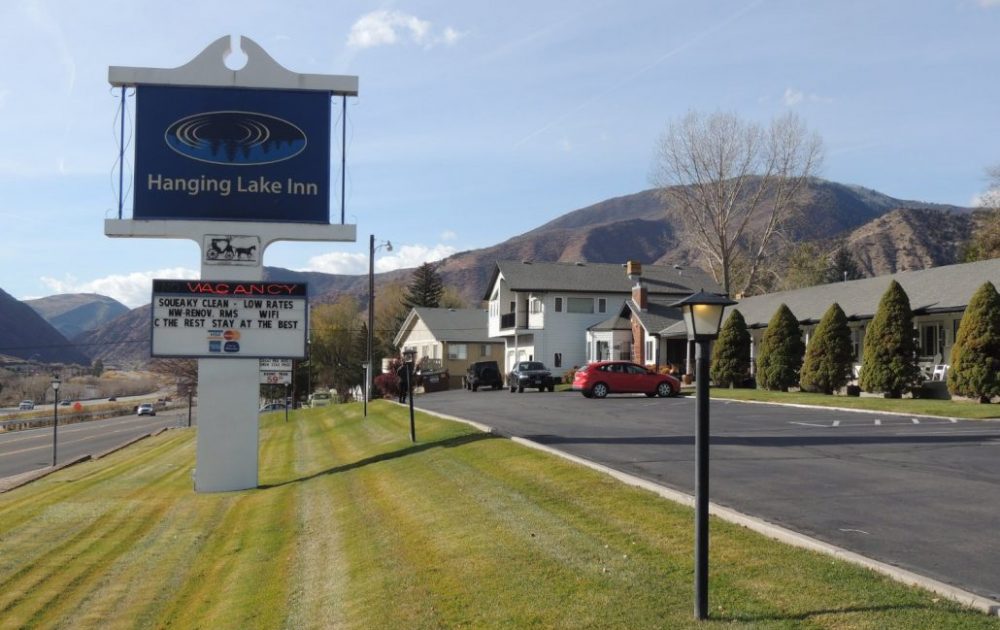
(703, 314)
(408, 355)
(56, 382)
(388, 246)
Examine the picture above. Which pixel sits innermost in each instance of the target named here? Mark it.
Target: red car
(597, 380)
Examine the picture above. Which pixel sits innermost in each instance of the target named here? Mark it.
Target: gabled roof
(597, 278)
(468, 325)
(615, 322)
(940, 289)
(659, 314)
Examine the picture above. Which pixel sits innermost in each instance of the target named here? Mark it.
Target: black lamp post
(366, 365)
(55, 415)
(371, 309)
(408, 356)
(703, 317)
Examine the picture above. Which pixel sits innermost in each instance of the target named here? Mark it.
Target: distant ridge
(26, 335)
(75, 313)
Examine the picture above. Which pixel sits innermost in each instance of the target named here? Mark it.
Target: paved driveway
(919, 493)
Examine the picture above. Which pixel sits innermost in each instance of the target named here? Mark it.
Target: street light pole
(703, 318)
(55, 415)
(371, 311)
(409, 368)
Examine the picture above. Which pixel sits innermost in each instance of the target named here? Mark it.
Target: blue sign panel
(232, 154)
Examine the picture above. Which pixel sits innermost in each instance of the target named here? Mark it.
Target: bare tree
(735, 185)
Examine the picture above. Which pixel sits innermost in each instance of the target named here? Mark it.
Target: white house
(542, 310)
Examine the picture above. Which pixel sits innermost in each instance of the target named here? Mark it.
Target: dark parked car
(483, 374)
(597, 380)
(530, 374)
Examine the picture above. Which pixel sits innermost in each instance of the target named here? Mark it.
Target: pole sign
(229, 319)
(232, 154)
(275, 371)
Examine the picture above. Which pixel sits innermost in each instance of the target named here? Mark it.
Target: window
(602, 351)
(579, 305)
(559, 305)
(649, 350)
(602, 305)
(484, 349)
(557, 360)
(535, 305)
(512, 305)
(458, 351)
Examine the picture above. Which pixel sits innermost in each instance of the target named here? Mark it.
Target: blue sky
(478, 121)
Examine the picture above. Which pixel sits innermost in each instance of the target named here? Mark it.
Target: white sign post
(232, 252)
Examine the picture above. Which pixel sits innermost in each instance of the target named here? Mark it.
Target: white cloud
(385, 28)
(988, 199)
(448, 235)
(339, 263)
(793, 97)
(404, 257)
(132, 289)
(409, 256)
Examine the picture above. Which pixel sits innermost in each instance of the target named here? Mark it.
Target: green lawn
(916, 406)
(354, 527)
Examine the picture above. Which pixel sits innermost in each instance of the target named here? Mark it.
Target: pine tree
(843, 266)
(781, 349)
(829, 354)
(975, 357)
(731, 352)
(889, 363)
(425, 288)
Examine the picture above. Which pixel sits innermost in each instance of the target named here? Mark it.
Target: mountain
(907, 239)
(75, 313)
(26, 335)
(644, 227)
(124, 342)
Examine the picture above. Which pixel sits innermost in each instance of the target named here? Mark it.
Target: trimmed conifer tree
(731, 352)
(829, 354)
(889, 363)
(780, 356)
(975, 357)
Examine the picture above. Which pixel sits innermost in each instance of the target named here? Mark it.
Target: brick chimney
(634, 270)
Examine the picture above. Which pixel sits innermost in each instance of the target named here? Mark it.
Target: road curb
(759, 525)
(16, 481)
(847, 409)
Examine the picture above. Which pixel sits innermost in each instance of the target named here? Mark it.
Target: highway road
(23, 451)
(919, 493)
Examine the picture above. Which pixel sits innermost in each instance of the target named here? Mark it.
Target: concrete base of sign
(227, 437)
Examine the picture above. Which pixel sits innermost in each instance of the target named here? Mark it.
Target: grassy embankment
(355, 527)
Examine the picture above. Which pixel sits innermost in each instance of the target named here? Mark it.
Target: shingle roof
(659, 314)
(598, 278)
(456, 324)
(615, 322)
(939, 289)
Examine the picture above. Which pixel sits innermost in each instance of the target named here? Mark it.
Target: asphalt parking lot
(916, 492)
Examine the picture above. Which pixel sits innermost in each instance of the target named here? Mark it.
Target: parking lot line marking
(915, 421)
(836, 423)
(878, 422)
(809, 424)
(953, 420)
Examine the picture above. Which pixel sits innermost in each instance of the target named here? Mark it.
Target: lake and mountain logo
(234, 138)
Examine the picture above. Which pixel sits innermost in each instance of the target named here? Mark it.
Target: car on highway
(483, 374)
(272, 407)
(145, 409)
(26, 405)
(532, 374)
(65, 402)
(597, 380)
